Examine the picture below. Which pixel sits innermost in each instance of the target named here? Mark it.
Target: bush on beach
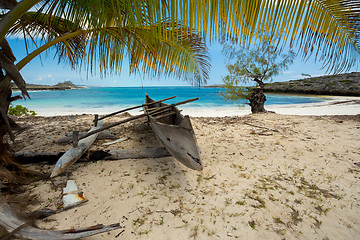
(20, 110)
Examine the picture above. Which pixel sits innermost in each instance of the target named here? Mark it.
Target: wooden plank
(74, 153)
(107, 154)
(115, 154)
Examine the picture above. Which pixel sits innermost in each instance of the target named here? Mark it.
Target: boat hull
(177, 135)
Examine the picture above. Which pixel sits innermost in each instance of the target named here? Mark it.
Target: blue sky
(46, 70)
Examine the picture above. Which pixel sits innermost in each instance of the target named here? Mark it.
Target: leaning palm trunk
(10, 172)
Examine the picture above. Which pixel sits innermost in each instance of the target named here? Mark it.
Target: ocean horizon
(108, 99)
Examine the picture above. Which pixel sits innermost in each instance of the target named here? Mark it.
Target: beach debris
(14, 226)
(258, 126)
(74, 153)
(260, 132)
(71, 195)
(106, 154)
(102, 135)
(116, 141)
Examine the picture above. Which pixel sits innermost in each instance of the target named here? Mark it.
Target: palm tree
(154, 33)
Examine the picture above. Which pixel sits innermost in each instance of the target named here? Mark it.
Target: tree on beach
(256, 65)
(166, 37)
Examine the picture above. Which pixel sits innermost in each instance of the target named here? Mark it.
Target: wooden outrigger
(80, 147)
(74, 153)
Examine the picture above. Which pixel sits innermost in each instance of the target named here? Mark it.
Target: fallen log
(116, 154)
(15, 226)
(91, 155)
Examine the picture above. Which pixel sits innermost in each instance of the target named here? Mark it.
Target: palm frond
(150, 53)
(184, 56)
(327, 28)
(48, 28)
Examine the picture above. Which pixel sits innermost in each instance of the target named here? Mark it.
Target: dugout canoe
(175, 132)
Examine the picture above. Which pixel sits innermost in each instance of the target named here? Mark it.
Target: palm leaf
(329, 29)
(105, 48)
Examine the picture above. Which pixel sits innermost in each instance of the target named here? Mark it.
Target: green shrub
(19, 110)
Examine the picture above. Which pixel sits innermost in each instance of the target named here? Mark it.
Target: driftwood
(116, 141)
(74, 153)
(102, 135)
(91, 155)
(12, 223)
(254, 125)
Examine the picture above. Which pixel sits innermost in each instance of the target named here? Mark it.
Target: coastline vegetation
(20, 110)
(66, 84)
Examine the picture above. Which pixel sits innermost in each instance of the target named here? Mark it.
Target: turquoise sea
(116, 98)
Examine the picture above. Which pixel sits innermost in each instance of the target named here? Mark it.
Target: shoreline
(336, 105)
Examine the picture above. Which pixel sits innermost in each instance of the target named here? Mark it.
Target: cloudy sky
(46, 70)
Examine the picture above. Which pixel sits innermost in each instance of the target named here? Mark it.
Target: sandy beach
(298, 182)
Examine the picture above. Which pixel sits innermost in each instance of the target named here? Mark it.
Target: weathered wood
(108, 154)
(35, 157)
(75, 138)
(116, 154)
(96, 119)
(175, 132)
(102, 135)
(12, 223)
(165, 115)
(115, 141)
(131, 108)
(73, 154)
(137, 116)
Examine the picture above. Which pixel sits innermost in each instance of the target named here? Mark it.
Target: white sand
(299, 183)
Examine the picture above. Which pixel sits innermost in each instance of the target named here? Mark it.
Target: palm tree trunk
(11, 17)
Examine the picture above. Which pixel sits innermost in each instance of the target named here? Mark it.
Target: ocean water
(101, 99)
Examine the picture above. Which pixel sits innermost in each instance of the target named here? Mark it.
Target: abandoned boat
(175, 132)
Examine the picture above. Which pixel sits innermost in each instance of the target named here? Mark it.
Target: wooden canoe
(176, 133)
(73, 154)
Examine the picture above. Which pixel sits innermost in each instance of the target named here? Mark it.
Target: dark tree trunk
(257, 100)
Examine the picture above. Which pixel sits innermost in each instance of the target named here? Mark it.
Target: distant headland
(60, 86)
(346, 84)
